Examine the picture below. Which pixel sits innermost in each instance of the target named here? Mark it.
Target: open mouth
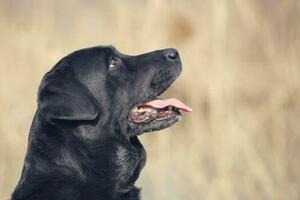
(158, 111)
(156, 114)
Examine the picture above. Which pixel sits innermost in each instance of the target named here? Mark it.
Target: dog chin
(154, 125)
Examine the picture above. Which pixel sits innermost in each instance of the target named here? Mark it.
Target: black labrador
(92, 105)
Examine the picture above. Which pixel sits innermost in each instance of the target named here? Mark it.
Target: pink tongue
(159, 103)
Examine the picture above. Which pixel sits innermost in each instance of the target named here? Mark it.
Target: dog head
(102, 85)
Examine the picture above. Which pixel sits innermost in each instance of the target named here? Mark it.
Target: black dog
(92, 105)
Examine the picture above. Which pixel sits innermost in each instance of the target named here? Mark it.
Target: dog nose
(172, 54)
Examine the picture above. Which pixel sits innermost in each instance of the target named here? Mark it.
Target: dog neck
(84, 169)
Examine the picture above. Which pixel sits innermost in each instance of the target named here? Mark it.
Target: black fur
(81, 145)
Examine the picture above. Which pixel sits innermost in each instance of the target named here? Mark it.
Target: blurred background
(241, 76)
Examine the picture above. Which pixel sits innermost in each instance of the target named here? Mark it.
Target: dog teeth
(148, 109)
(170, 107)
(135, 110)
(140, 110)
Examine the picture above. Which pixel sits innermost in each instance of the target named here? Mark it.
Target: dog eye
(114, 63)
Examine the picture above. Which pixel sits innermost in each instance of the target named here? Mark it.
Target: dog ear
(66, 99)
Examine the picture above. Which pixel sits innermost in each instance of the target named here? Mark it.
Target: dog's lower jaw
(139, 129)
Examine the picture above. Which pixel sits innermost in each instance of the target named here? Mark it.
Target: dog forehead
(88, 61)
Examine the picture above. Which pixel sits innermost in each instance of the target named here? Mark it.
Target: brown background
(241, 77)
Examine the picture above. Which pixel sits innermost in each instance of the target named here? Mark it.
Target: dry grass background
(241, 77)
